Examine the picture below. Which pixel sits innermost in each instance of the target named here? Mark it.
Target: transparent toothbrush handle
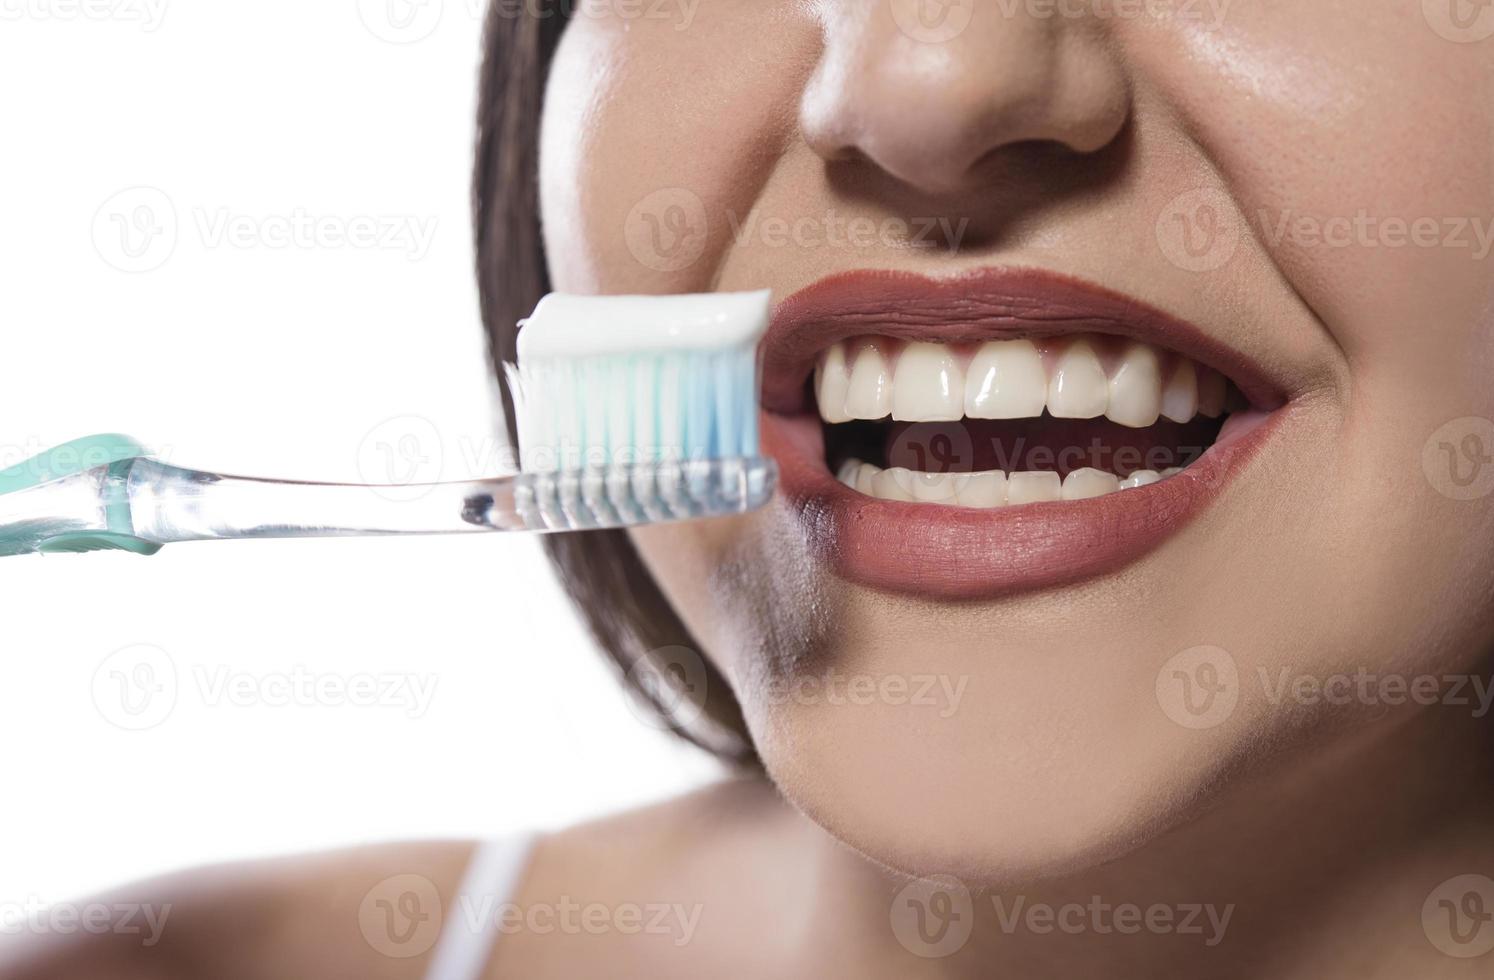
(141, 503)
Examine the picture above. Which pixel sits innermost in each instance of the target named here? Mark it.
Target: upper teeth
(876, 377)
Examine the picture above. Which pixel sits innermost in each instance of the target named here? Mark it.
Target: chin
(964, 800)
(915, 739)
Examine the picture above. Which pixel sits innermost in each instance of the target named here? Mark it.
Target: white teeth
(928, 386)
(938, 488)
(1033, 487)
(1089, 482)
(1009, 379)
(991, 488)
(984, 490)
(1078, 388)
(893, 484)
(1140, 478)
(1180, 393)
(1006, 380)
(1210, 393)
(831, 383)
(869, 391)
(1136, 388)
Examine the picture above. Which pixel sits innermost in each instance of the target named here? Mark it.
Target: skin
(1066, 143)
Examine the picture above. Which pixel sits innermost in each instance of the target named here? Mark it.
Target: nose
(931, 90)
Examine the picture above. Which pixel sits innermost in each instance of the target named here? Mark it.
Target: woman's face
(1152, 193)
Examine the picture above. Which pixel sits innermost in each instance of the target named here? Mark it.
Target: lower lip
(955, 553)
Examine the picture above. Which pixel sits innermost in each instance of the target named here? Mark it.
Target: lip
(953, 553)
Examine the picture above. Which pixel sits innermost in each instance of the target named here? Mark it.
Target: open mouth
(1008, 429)
(1014, 421)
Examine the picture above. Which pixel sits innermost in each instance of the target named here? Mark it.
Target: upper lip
(989, 304)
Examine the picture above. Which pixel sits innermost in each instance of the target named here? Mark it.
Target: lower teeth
(991, 488)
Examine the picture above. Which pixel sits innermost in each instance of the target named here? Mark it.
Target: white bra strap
(471, 925)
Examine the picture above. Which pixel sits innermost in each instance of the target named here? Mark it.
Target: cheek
(1372, 189)
(748, 592)
(652, 134)
(1364, 183)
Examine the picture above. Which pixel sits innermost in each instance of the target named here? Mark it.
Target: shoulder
(311, 915)
(660, 890)
(651, 888)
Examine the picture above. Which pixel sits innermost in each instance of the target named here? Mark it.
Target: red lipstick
(957, 553)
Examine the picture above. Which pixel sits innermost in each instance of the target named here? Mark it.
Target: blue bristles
(606, 382)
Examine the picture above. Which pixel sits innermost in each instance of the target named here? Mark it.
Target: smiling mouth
(1004, 430)
(1011, 422)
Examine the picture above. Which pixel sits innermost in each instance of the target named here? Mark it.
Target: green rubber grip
(68, 459)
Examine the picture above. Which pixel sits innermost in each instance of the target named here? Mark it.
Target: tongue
(1063, 445)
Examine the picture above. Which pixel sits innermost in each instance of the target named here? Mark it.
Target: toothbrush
(631, 410)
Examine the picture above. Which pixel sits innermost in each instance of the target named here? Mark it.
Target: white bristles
(611, 381)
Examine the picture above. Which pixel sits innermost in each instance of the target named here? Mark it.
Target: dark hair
(601, 570)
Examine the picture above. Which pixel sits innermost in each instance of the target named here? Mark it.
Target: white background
(221, 337)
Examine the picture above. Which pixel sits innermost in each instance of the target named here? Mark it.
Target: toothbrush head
(620, 380)
(648, 404)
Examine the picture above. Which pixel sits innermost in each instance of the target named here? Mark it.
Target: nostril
(931, 115)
